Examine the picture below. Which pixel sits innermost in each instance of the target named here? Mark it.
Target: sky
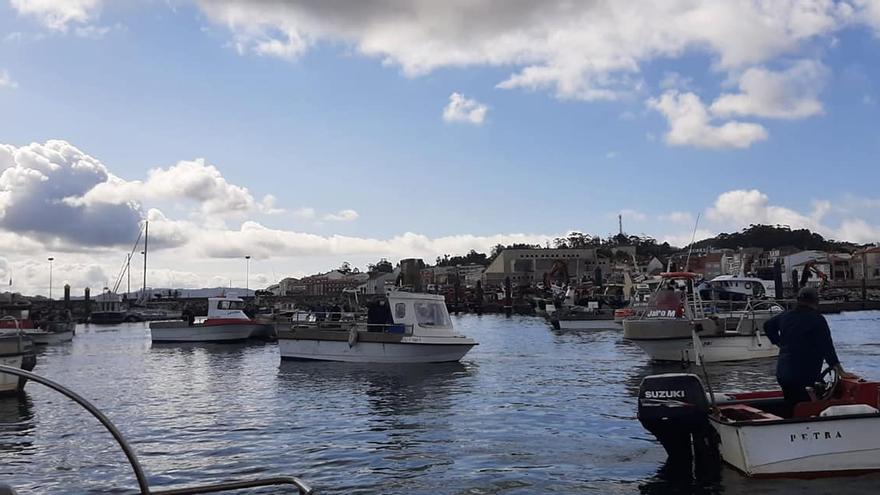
(307, 133)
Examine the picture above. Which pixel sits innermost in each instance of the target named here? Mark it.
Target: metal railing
(141, 478)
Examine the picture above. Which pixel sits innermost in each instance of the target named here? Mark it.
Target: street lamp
(51, 259)
(247, 274)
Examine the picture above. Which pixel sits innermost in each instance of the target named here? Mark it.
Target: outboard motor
(675, 409)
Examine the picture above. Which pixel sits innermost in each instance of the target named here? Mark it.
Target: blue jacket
(804, 341)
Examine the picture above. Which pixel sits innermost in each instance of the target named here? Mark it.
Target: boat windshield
(432, 314)
(231, 305)
(665, 303)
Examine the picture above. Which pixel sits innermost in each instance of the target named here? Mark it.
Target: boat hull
(46, 338)
(821, 447)
(577, 324)
(107, 317)
(715, 349)
(17, 352)
(181, 332)
(379, 350)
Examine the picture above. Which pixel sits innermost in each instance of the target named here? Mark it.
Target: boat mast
(146, 240)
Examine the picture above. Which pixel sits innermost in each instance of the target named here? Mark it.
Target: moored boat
(109, 310)
(226, 322)
(403, 328)
(16, 350)
(676, 316)
(836, 433)
(584, 318)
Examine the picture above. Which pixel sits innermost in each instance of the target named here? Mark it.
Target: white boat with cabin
(836, 433)
(226, 322)
(676, 315)
(405, 327)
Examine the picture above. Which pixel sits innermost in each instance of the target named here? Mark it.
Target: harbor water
(530, 410)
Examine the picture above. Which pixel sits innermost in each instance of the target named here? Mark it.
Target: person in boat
(804, 342)
(188, 316)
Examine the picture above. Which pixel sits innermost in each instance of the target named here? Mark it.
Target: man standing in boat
(804, 342)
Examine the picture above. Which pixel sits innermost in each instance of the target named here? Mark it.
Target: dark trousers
(794, 393)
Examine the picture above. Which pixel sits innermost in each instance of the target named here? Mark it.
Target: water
(530, 410)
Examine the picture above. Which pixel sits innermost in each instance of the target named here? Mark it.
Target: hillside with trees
(774, 236)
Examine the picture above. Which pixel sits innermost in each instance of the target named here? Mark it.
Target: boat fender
(352, 337)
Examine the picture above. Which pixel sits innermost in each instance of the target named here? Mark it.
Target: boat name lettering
(662, 313)
(816, 435)
(664, 394)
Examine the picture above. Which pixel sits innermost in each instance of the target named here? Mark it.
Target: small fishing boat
(52, 332)
(109, 310)
(584, 318)
(17, 315)
(676, 316)
(835, 433)
(226, 322)
(404, 327)
(16, 350)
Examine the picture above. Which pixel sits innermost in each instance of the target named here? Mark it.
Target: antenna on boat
(687, 260)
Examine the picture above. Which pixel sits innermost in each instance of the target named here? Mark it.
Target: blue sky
(352, 119)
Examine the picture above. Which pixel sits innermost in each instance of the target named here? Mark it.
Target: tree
(344, 268)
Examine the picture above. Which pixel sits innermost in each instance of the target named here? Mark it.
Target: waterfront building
(528, 266)
(866, 264)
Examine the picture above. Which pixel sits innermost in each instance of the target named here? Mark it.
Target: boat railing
(140, 476)
(18, 331)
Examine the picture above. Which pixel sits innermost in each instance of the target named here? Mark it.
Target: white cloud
(6, 81)
(342, 216)
(676, 81)
(690, 124)
(789, 94)
(58, 14)
(611, 155)
(305, 213)
(580, 50)
(461, 109)
(744, 207)
(187, 181)
(678, 217)
(35, 182)
(634, 215)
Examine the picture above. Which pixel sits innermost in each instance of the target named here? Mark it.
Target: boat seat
(744, 412)
(847, 409)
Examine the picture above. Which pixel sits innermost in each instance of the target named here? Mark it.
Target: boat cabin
(411, 313)
(108, 302)
(733, 288)
(226, 308)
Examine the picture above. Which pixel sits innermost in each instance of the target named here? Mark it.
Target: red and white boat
(226, 322)
(837, 433)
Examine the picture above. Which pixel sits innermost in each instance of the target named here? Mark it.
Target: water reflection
(16, 423)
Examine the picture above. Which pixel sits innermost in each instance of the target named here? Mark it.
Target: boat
(402, 327)
(109, 310)
(52, 332)
(733, 288)
(17, 351)
(589, 317)
(18, 316)
(836, 433)
(226, 322)
(152, 314)
(677, 317)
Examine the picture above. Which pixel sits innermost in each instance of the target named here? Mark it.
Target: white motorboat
(405, 327)
(226, 322)
(16, 350)
(53, 332)
(666, 329)
(836, 433)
